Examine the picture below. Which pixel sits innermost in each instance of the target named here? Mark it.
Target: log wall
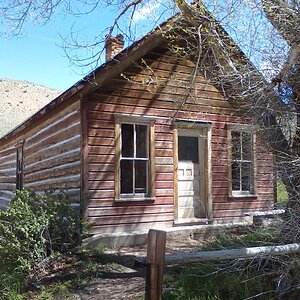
(8, 157)
(52, 150)
(52, 154)
(160, 91)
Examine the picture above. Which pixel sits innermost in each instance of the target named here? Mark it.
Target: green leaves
(33, 227)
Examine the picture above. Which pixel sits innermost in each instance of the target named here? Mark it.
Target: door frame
(199, 129)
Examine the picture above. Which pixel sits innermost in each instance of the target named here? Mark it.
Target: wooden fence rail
(156, 258)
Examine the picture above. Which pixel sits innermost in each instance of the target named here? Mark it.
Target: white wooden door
(190, 203)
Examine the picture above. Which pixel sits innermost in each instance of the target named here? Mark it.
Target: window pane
(246, 176)
(236, 145)
(127, 140)
(127, 177)
(247, 146)
(235, 176)
(140, 176)
(141, 141)
(188, 148)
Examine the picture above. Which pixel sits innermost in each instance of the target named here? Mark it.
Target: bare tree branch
(284, 17)
(291, 61)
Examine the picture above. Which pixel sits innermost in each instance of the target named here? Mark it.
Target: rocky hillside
(19, 100)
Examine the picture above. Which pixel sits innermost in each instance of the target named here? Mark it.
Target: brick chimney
(113, 45)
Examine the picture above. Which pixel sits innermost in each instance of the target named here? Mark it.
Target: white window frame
(240, 128)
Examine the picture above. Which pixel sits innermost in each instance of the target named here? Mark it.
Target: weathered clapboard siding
(52, 153)
(101, 187)
(129, 226)
(226, 208)
(102, 209)
(7, 175)
(71, 143)
(243, 204)
(159, 91)
(74, 148)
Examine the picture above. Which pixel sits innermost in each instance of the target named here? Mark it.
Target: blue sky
(37, 55)
(36, 58)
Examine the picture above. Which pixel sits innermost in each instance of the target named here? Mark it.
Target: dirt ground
(112, 274)
(128, 282)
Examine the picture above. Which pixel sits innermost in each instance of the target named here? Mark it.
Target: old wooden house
(135, 152)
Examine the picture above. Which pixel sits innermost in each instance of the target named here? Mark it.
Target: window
(242, 163)
(135, 161)
(19, 167)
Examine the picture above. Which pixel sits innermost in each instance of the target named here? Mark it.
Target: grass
(11, 284)
(265, 236)
(235, 280)
(216, 281)
(68, 273)
(229, 280)
(210, 281)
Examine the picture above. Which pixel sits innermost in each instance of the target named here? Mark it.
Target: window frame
(19, 165)
(240, 128)
(150, 189)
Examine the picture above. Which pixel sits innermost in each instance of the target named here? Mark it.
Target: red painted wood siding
(160, 91)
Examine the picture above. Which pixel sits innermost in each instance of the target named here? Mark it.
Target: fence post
(155, 263)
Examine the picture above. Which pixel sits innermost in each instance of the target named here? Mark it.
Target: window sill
(135, 199)
(239, 196)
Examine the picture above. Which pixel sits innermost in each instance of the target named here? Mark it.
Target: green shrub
(282, 195)
(33, 227)
(64, 222)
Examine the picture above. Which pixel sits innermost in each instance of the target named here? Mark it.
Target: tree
(284, 15)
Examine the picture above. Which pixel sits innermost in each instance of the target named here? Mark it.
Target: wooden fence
(156, 258)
